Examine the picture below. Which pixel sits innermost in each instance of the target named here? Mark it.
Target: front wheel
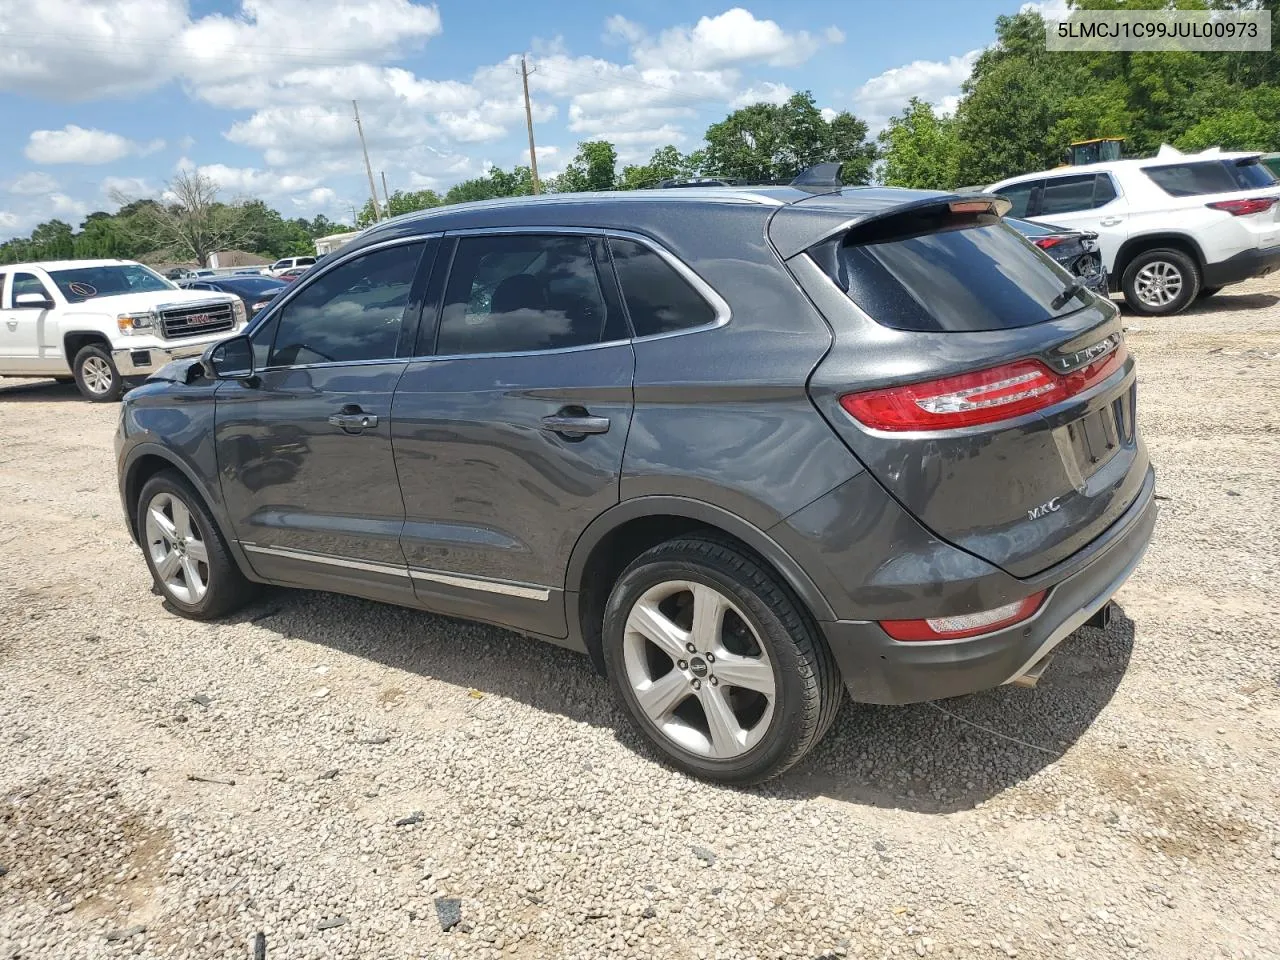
(96, 375)
(1160, 282)
(716, 662)
(185, 551)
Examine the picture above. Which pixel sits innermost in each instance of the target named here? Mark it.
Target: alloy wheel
(1158, 283)
(96, 374)
(698, 670)
(178, 552)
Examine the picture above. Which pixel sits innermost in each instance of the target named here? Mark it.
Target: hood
(140, 302)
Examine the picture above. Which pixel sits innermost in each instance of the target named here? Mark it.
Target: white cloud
(32, 184)
(73, 144)
(251, 182)
(734, 37)
(767, 92)
(131, 187)
(828, 114)
(66, 207)
(934, 81)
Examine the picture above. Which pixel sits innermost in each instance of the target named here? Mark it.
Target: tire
(96, 375)
(1160, 282)
(210, 567)
(1207, 292)
(765, 639)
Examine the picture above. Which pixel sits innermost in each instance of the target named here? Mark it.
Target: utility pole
(528, 118)
(385, 196)
(368, 168)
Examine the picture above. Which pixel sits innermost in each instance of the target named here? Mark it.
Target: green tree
(667, 163)
(592, 168)
(496, 183)
(766, 141)
(1006, 124)
(398, 203)
(920, 149)
(53, 240)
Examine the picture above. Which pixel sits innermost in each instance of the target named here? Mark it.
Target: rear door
(993, 405)
(1087, 202)
(509, 437)
(304, 448)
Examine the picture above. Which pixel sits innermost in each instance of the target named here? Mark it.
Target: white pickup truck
(101, 322)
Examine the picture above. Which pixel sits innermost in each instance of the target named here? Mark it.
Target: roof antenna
(821, 178)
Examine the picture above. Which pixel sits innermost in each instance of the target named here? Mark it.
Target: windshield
(85, 283)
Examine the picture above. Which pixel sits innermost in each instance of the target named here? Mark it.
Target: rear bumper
(879, 669)
(1242, 266)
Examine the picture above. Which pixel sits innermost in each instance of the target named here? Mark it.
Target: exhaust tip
(1102, 619)
(1033, 673)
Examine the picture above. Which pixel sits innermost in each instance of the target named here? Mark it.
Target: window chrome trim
(508, 588)
(723, 314)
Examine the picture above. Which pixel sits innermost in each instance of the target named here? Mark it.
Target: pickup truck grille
(196, 319)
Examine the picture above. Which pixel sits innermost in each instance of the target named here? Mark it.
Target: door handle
(1110, 221)
(12, 324)
(354, 422)
(575, 426)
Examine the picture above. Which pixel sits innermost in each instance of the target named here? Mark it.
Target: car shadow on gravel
(39, 391)
(928, 758)
(1228, 302)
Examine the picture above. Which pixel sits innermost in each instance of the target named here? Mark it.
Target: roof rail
(676, 182)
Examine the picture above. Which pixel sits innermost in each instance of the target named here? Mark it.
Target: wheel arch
(619, 535)
(1134, 246)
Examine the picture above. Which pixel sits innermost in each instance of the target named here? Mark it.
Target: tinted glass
(1018, 194)
(1030, 229)
(253, 285)
(513, 294)
(351, 313)
(27, 283)
(1194, 179)
(658, 299)
(926, 273)
(1066, 195)
(1104, 191)
(1251, 173)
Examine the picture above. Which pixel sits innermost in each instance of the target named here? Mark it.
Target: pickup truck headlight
(237, 308)
(132, 322)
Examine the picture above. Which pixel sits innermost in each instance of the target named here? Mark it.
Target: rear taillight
(1242, 208)
(971, 399)
(965, 624)
(1044, 243)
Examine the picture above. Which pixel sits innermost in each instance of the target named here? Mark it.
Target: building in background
(335, 241)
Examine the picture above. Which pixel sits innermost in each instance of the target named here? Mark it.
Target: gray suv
(745, 448)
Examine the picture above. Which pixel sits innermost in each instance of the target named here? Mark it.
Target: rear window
(932, 273)
(1213, 176)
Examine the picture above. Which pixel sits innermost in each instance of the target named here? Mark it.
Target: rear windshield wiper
(1073, 289)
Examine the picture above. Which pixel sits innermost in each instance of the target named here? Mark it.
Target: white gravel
(1138, 817)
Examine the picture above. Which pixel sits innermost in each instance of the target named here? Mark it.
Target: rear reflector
(966, 624)
(1242, 208)
(970, 399)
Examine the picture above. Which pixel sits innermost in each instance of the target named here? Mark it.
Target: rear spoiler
(808, 222)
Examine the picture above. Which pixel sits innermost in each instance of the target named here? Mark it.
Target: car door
(1086, 201)
(509, 436)
(304, 448)
(26, 328)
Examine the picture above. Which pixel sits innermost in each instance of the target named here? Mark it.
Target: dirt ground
(332, 773)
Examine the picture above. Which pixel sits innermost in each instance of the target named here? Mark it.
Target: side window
(1104, 191)
(26, 283)
(518, 293)
(1067, 194)
(1019, 194)
(304, 261)
(658, 299)
(351, 313)
(1193, 179)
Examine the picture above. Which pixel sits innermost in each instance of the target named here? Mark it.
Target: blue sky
(109, 97)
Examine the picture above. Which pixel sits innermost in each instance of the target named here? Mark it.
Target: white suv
(289, 263)
(101, 322)
(1171, 227)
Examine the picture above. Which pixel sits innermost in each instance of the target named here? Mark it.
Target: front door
(304, 448)
(1087, 202)
(23, 328)
(509, 440)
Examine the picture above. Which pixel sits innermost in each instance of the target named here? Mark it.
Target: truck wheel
(1160, 282)
(716, 663)
(96, 374)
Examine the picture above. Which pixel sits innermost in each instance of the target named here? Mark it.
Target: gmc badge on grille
(197, 319)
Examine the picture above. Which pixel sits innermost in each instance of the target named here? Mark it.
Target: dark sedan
(255, 291)
(1077, 250)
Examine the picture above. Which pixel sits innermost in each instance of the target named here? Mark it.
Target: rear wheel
(716, 663)
(185, 551)
(96, 374)
(1160, 282)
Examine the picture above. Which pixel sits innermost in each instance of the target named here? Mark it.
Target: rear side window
(1213, 176)
(927, 272)
(1019, 194)
(518, 294)
(658, 299)
(1067, 194)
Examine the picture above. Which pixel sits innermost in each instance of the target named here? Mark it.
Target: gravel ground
(347, 778)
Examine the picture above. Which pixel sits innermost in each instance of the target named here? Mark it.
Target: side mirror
(230, 359)
(32, 301)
